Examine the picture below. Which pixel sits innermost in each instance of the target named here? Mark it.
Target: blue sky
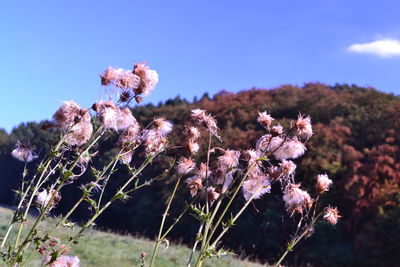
(54, 50)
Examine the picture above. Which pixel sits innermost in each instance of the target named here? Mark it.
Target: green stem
(296, 240)
(115, 197)
(159, 240)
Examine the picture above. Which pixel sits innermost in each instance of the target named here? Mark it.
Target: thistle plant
(224, 177)
(227, 175)
(77, 132)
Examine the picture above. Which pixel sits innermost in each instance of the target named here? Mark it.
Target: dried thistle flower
(256, 185)
(287, 167)
(277, 130)
(332, 215)
(265, 119)
(67, 115)
(268, 143)
(63, 261)
(44, 197)
(296, 200)
(107, 114)
(162, 126)
(204, 172)
(154, 142)
(193, 147)
(200, 116)
(193, 133)
(23, 152)
(185, 165)
(125, 119)
(148, 79)
(119, 77)
(194, 184)
(292, 148)
(303, 126)
(323, 183)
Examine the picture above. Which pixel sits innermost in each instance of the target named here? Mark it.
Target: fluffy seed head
(125, 119)
(287, 167)
(296, 200)
(163, 126)
(332, 215)
(64, 261)
(121, 78)
(277, 130)
(185, 166)
(290, 149)
(68, 114)
(193, 133)
(268, 143)
(193, 147)
(323, 183)
(303, 126)
(256, 185)
(148, 79)
(107, 114)
(154, 142)
(265, 119)
(23, 152)
(203, 172)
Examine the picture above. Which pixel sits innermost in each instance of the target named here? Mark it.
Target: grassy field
(102, 249)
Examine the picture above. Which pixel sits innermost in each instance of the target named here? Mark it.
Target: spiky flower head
(303, 126)
(296, 200)
(323, 183)
(23, 152)
(332, 215)
(64, 261)
(162, 126)
(265, 119)
(185, 165)
(292, 148)
(287, 167)
(148, 79)
(212, 195)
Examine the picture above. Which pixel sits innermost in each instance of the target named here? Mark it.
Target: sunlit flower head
(277, 130)
(125, 119)
(287, 167)
(200, 116)
(291, 149)
(323, 183)
(162, 126)
(193, 147)
(265, 119)
(303, 126)
(185, 165)
(193, 133)
(154, 142)
(68, 114)
(296, 200)
(256, 188)
(107, 114)
(64, 261)
(332, 215)
(250, 155)
(268, 143)
(23, 152)
(80, 133)
(229, 159)
(148, 79)
(124, 79)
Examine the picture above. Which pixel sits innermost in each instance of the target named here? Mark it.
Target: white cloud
(382, 48)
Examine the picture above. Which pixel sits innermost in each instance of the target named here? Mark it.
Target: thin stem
(153, 256)
(296, 240)
(116, 196)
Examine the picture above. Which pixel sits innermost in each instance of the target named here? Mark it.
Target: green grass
(103, 249)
